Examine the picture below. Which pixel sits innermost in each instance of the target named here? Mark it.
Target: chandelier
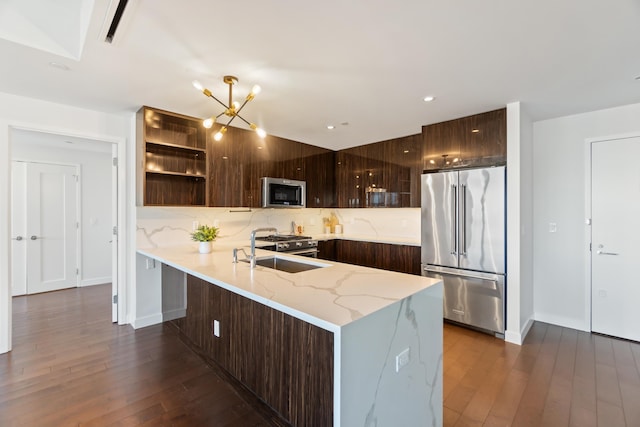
(231, 110)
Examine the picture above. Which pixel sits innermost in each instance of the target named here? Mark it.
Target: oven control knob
(285, 246)
(299, 244)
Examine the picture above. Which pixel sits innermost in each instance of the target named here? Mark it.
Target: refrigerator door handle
(454, 211)
(463, 227)
(464, 273)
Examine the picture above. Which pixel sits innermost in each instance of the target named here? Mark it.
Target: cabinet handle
(34, 237)
(18, 238)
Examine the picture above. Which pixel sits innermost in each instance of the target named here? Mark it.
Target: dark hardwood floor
(71, 366)
(558, 377)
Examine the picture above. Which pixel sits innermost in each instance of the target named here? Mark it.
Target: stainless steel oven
(290, 244)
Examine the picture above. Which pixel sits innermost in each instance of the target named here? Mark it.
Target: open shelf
(170, 145)
(174, 159)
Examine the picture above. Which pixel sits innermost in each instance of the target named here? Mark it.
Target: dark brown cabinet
(286, 362)
(473, 141)
(241, 159)
(401, 258)
(327, 250)
(172, 159)
(181, 163)
(382, 174)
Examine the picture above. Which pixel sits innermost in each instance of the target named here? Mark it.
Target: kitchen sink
(287, 265)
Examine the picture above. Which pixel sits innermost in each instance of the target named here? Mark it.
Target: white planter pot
(205, 247)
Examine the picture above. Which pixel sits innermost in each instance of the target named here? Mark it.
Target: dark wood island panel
(286, 362)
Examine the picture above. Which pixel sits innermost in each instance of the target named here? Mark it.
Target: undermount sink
(287, 265)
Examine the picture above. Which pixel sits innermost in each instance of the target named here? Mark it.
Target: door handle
(34, 237)
(454, 214)
(463, 196)
(606, 253)
(18, 238)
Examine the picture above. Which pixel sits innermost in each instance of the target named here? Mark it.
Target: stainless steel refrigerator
(463, 243)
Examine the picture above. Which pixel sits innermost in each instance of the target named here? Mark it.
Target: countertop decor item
(231, 110)
(205, 234)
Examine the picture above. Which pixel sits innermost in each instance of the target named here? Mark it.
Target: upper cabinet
(382, 174)
(180, 163)
(172, 153)
(478, 140)
(241, 159)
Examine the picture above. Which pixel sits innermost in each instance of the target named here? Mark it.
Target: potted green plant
(205, 235)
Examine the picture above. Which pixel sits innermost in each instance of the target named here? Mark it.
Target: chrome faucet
(252, 256)
(235, 254)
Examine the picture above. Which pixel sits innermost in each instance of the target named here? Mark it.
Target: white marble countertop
(329, 297)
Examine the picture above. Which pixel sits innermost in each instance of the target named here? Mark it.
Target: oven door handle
(309, 251)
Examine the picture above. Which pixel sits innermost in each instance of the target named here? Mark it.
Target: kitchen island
(338, 345)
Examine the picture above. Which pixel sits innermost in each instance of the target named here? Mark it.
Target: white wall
(526, 223)
(31, 114)
(561, 262)
(519, 224)
(95, 210)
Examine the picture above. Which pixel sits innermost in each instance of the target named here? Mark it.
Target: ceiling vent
(116, 15)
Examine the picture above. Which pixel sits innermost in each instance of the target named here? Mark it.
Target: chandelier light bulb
(261, 133)
(236, 105)
(197, 85)
(217, 136)
(256, 89)
(208, 123)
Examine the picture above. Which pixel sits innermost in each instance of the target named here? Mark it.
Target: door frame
(6, 316)
(588, 142)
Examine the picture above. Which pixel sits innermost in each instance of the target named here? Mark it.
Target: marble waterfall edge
(372, 392)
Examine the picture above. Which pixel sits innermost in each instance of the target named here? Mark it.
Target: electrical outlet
(195, 225)
(216, 329)
(553, 227)
(216, 223)
(402, 359)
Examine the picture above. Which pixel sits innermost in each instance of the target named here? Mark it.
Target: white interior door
(114, 236)
(615, 210)
(18, 228)
(52, 227)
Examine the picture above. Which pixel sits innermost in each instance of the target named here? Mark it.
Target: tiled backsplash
(167, 226)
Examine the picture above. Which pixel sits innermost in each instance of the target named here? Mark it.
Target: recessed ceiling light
(429, 98)
(405, 151)
(331, 127)
(475, 130)
(59, 66)
(224, 157)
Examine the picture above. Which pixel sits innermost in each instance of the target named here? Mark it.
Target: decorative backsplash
(169, 226)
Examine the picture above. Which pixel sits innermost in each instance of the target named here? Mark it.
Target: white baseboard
(527, 326)
(565, 322)
(174, 314)
(95, 281)
(517, 337)
(143, 322)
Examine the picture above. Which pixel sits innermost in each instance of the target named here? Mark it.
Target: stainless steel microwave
(283, 193)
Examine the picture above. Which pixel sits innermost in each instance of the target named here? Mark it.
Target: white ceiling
(365, 62)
